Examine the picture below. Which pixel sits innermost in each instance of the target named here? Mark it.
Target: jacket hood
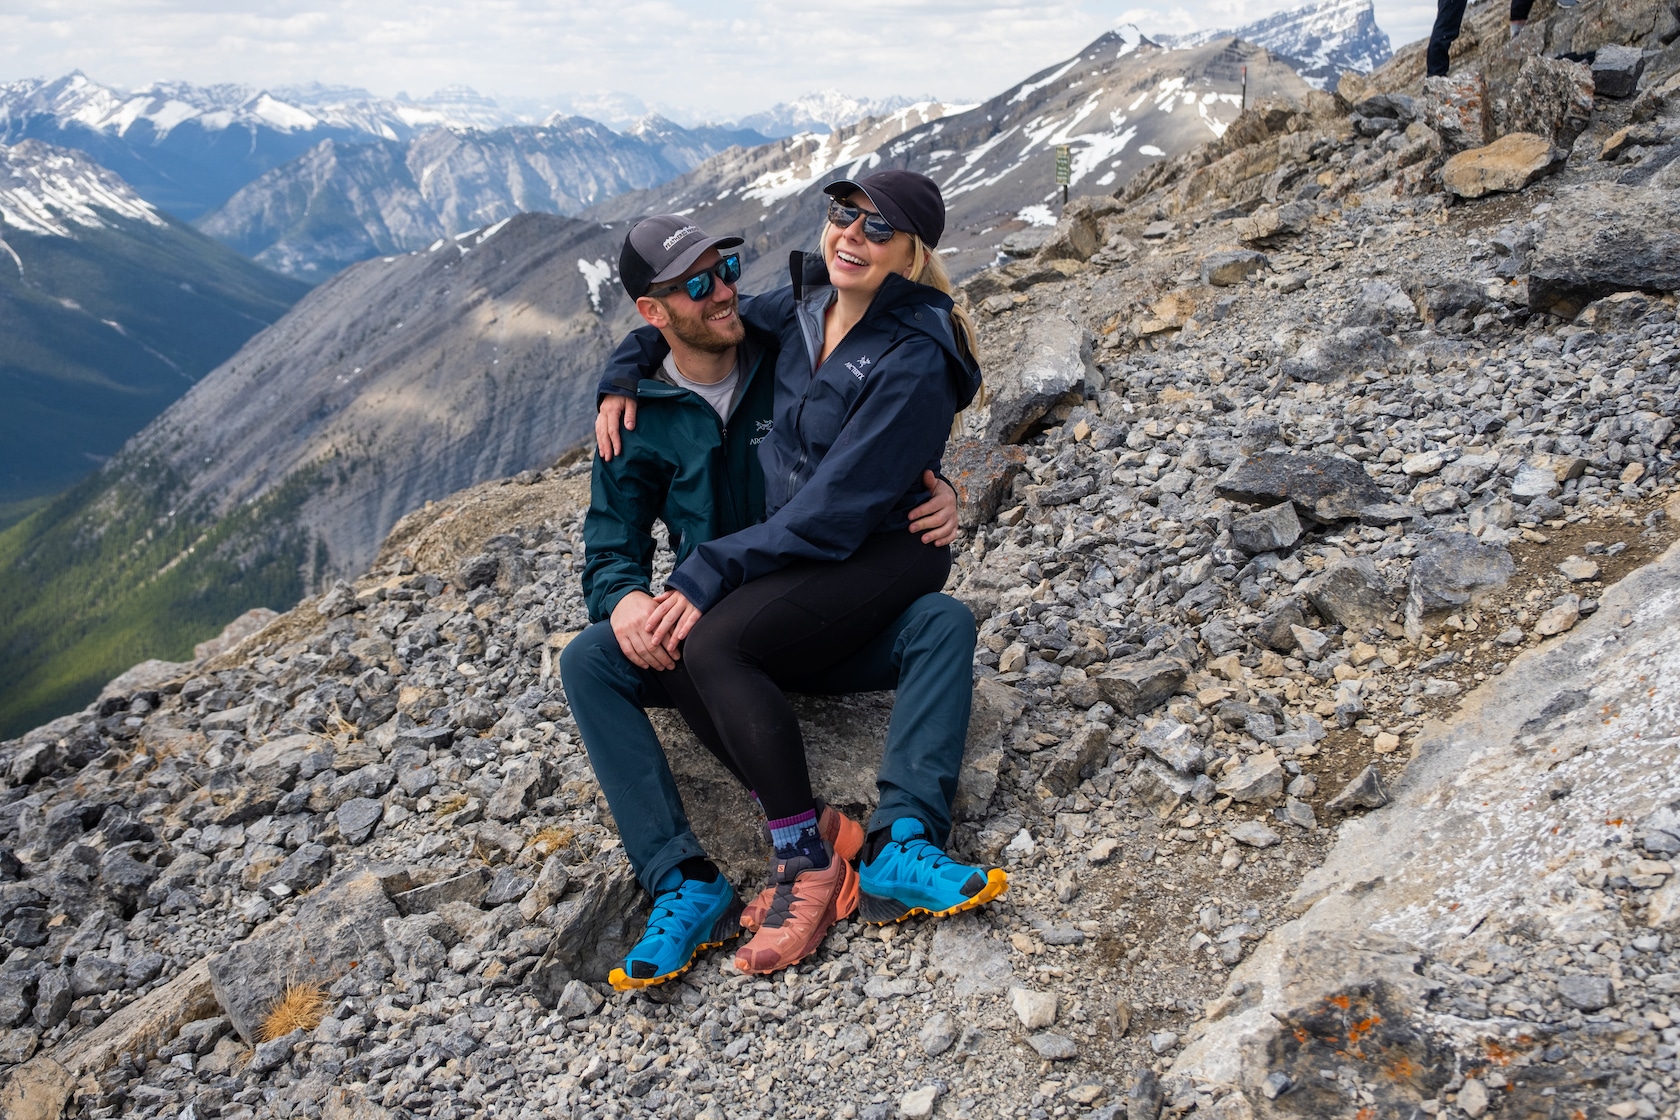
(906, 303)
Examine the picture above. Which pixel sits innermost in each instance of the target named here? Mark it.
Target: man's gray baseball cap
(662, 248)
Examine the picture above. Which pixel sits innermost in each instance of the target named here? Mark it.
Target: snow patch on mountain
(1322, 40)
(46, 190)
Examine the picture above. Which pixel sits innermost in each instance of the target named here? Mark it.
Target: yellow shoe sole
(997, 882)
(623, 982)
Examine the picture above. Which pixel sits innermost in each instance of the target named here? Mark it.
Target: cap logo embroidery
(679, 235)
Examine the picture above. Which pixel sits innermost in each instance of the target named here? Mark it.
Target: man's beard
(707, 337)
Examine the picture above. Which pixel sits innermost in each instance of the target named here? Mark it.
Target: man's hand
(670, 621)
(936, 518)
(614, 410)
(629, 623)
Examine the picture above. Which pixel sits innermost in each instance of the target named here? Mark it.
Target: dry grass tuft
(446, 805)
(548, 841)
(301, 1009)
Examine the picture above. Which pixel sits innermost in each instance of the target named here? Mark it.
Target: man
(691, 462)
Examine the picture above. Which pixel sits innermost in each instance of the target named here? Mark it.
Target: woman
(874, 363)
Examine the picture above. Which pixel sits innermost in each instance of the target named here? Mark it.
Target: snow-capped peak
(1322, 40)
(46, 190)
(823, 111)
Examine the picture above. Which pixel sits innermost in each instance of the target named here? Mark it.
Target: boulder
(1551, 98)
(1616, 70)
(1604, 238)
(1223, 270)
(1456, 107)
(1452, 571)
(1025, 242)
(594, 926)
(1136, 687)
(332, 931)
(1269, 530)
(1179, 745)
(1053, 363)
(1076, 759)
(982, 473)
(1323, 487)
(1508, 164)
(1270, 226)
(1259, 778)
(1078, 233)
(1352, 593)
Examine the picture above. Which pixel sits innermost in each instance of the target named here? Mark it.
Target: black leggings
(800, 620)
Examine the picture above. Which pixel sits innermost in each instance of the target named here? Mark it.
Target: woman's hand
(633, 639)
(671, 619)
(613, 411)
(936, 518)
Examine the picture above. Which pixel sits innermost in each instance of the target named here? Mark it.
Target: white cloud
(726, 59)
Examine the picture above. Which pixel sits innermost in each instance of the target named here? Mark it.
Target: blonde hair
(927, 268)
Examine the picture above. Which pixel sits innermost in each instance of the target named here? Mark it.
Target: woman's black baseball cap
(907, 199)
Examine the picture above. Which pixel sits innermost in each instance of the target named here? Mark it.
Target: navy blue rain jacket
(851, 437)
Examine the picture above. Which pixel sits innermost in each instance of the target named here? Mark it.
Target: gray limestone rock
(1053, 362)
(470, 887)
(1158, 786)
(1352, 593)
(593, 929)
(1179, 745)
(1269, 530)
(1551, 98)
(965, 951)
(1252, 834)
(523, 782)
(358, 817)
(1452, 572)
(1137, 687)
(1222, 270)
(335, 929)
(1258, 778)
(1365, 791)
(1322, 487)
(1053, 1047)
(1616, 70)
(1586, 992)
(577, 1000)
(1604, 238)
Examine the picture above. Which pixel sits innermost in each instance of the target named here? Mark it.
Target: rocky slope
(1323, 544)
(1321, 41)
(341, 203)
(110, 311)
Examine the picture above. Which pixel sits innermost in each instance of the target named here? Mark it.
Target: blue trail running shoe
(687, 918)
(910, 876)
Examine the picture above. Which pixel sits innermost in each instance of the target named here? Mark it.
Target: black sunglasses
(699, 287)
(875, 227)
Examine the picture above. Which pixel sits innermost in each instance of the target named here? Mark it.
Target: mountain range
(109, 311)
(1321, 41)
(344, 202)
(187, 148)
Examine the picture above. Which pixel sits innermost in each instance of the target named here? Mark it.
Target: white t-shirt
(719, 394)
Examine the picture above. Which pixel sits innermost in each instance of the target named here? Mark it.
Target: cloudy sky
(725, 59)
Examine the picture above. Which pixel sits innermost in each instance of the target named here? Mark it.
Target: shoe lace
(671, 905)
(927, 859)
